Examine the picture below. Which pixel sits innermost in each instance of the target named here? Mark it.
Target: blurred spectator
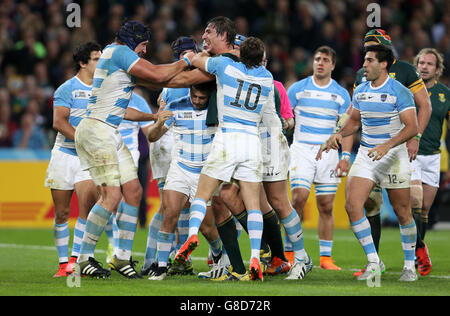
(29, 136)
(7, 125)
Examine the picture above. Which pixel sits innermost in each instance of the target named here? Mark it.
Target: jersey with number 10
(241, 93)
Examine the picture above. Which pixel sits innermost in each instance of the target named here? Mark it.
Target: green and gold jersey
(401, 71)
(440, 103)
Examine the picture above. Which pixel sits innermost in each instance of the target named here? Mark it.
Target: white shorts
(161, 155)
(136, 154)
(427, 169)
(393, 171)
(102, 151)
(235, 155)
(64, 171)
(304, 169)
(182, 180)
(275, 151)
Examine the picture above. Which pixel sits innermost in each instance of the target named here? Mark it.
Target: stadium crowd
(36, 45)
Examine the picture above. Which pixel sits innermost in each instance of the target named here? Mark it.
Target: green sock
(375, 227)
(228, 235)
(272, 233)
(417, 215)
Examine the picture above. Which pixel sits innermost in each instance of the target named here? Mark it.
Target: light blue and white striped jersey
(241, 94)
(130, 129)
(316, 109)
(74, 95)
(170, 94)
(193, 138)
(113, 85)
(380, 110)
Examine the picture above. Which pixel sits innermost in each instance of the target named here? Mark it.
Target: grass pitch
(28, 261)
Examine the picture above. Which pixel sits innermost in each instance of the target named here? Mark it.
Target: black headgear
(132, 33)
(182, 44)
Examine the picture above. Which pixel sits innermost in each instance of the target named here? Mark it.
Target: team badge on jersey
(392, 75)
(383, 97)
(441, 97)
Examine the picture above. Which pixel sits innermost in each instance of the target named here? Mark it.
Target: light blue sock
(362, 231)
(152, 240)
(165, 241)
(294, 233)
(61, 234)
(409, 237)
(78, 233)
(255, 228)
(126, 219)
(95, 224)
(183, 227)
(197, 214)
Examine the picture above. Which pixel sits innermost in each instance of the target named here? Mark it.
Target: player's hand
(334, 141)
(319, 153)
(164, 115)
(413, 148)
(342, 168)
(379, 151)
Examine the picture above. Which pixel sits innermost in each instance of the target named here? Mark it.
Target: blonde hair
(439, 59)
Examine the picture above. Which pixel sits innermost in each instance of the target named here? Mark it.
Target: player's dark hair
(252, 52)
(206, 87)
(83, 53)
(328, 51)
(224, 25)
(382, 53)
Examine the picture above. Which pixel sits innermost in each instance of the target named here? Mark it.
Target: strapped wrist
(345, 155)
(188, 62)
(418, 137)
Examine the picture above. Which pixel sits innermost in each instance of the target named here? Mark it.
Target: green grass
(28, 260)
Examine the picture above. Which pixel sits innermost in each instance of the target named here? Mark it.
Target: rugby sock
(242, 219)
(255, 229)
(272, 233)
(183, 227)
(287, 243)
(228, 235)
(409, 237)
(215, 246)
(153, 229)
(424, 227)
(126, 219)
(239, 227)
(294, 232)
(361, 229)
(325, 247)
(95, 224)
(109, 230)
(375, 227)
(417, 215)
(197, 214)
(165, 241)
(61, 234)
(80, 227)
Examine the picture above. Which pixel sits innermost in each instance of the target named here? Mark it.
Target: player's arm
(132, 114)
(157, 130)
(151, 75)
(409, 120)
(351, 126)
(61, 121)
(423, 103)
